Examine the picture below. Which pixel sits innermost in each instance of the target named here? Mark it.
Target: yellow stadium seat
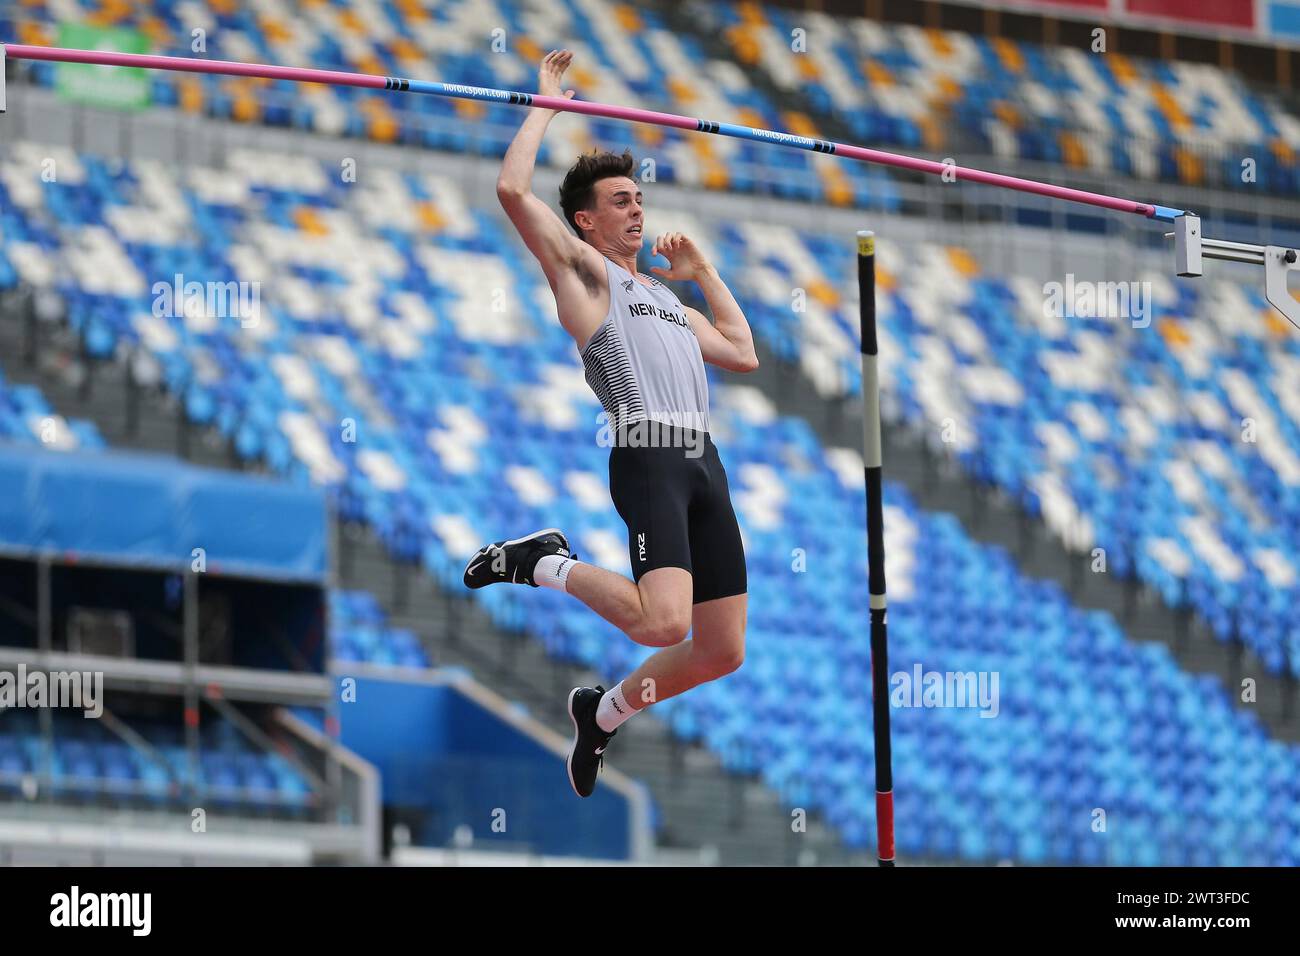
(308, 220)
(716, 176)
(877, 74)
(628, 18)
(1175, 335)
(404, 51)
(274, 30)
(470, 109)
(681, 90)
(824, 292)
(246, 108)
(648, 135)
(839, 193)
(429, 216)
(371, 64)
(156, 30)
(808, 69)
(1072, 151)
(191, 95)
(744, 45)
(1009, 53)
(1277, 327)
(529, 50)
(932, 132)
(1190, 168)
(1169, 108)
(940, 42)
(34, 34)
(799, 123)
(752, 13)
(380, 122)
(949, 90)
(413, 10)
(963, 261)
(1122, 67)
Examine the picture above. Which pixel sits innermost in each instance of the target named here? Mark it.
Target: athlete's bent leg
(716, 649)
(655, 612)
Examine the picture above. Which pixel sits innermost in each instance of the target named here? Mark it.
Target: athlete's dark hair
(576, 191)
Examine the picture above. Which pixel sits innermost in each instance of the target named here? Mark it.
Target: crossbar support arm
(1191, 246)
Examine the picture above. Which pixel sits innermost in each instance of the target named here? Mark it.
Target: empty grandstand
(251, 516)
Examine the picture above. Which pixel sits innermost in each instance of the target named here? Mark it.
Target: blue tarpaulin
(151, 510)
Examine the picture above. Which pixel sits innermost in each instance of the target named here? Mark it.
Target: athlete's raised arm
(542, 230)
(571, 266)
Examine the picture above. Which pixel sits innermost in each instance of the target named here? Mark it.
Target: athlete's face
(617, 217)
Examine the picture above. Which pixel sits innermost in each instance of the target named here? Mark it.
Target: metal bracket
(1190, 247)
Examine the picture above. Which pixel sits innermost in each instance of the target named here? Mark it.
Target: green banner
(118, 87)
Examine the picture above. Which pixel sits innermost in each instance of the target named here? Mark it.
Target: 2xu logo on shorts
(640, 543)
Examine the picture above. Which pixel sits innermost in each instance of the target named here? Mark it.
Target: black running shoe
(586, 756)
(513, 561)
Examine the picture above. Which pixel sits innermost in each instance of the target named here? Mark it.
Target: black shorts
(674, 499)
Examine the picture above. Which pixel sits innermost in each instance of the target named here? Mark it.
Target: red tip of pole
(885, 826)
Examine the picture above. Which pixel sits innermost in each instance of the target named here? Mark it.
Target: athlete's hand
(685, 261)
(552, 71)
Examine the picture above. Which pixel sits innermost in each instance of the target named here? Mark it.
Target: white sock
(552, 571)
(613, 709)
